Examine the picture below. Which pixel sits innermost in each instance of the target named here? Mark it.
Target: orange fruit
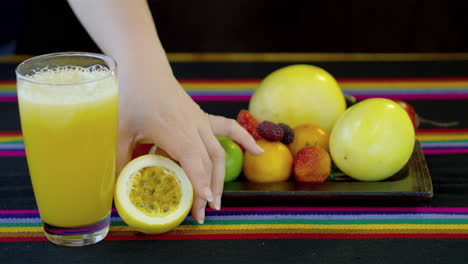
(312, 164)
(309, 135)
(274, 165)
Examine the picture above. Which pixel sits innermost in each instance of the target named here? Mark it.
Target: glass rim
(110, 62)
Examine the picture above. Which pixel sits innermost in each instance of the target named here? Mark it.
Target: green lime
(234, 158)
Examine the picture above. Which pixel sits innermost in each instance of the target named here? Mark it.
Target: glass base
(77, 236)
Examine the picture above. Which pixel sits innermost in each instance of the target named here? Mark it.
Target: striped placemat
(277, 222)
(433, 141)
(289, 222)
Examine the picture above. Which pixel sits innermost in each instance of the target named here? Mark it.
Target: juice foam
(68, 85)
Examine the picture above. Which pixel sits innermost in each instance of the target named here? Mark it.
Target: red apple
(410, 110)
(140, 150)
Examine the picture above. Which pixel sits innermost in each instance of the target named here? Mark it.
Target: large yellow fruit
(372, 140)
(273, 165)
(299, 94)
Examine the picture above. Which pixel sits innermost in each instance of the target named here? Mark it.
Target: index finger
(222, 126)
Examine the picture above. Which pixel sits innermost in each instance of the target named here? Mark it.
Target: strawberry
(312, 164)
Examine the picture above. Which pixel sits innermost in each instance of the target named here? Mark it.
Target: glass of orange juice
(69, 117)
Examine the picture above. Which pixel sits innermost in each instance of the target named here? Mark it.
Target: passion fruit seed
(155, 191)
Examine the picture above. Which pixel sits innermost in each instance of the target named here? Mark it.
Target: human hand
(163, 113)
(153, 106)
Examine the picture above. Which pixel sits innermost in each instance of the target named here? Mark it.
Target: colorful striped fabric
(433, 141)
(277, 222)
(242, 89)
(287, 222)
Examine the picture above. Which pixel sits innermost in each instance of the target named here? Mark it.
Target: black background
(259, 26)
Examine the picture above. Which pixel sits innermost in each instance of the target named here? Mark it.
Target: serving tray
(413, 182)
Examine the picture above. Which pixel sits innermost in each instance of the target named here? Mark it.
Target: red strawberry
(249, 122)
(312, 164)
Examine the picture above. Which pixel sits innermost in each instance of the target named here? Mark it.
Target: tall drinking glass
(68, 107)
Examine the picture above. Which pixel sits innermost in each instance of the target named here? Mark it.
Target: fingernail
(208, 195)
(260, 150)
(217, 203)
(201, 216)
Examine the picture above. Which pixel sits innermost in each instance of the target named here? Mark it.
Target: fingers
(218, 159)
(198, 209)
(222, 126)
(197, 165)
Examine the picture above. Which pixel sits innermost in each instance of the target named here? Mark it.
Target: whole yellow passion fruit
(299, 94)
(372, 140)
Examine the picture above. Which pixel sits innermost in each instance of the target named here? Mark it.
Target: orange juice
(70, 133)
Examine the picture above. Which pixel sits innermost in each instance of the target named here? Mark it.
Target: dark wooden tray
(413, 182)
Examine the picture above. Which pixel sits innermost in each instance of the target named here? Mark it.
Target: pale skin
(153, 106)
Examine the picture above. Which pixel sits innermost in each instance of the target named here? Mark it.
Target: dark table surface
(449, 176)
